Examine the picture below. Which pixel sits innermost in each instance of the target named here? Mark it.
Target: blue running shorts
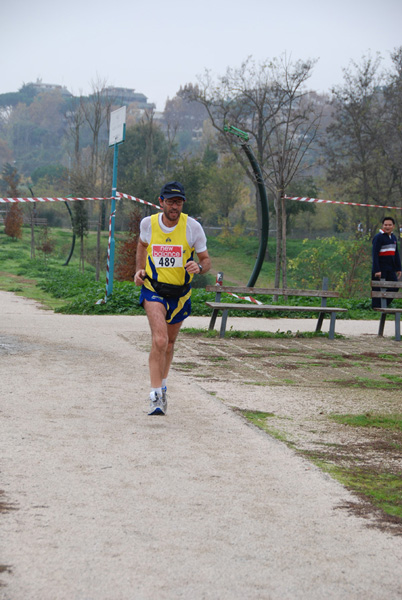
(177, 309)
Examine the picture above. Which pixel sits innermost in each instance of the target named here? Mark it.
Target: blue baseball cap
(173, 189)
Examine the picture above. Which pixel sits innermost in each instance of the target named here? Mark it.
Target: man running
(165, 267)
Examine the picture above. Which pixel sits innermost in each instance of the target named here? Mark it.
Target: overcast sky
(156, 46)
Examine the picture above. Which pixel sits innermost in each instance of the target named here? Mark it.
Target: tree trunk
(284, 273)
(32, 213)
(278, 255)
(82, 253)
(98, 246)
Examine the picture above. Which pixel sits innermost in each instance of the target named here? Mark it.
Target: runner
(165, 268)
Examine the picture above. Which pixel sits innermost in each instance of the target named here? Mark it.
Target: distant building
(196, 134)
(50, 87)
(128, 96)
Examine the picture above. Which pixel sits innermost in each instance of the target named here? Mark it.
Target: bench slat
(272, 307)
(386, 284)
(271, 291)
(386, 294)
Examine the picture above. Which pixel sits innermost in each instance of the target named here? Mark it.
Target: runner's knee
(160, 341)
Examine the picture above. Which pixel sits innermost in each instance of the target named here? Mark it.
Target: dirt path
(111, 504)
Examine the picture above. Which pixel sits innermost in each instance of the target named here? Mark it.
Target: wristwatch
(200, 268)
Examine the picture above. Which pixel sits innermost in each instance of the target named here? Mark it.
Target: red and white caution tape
(128, 197)
(119, 195)
(219, 281)
(248, 298)
(48, 199)
(319, 201)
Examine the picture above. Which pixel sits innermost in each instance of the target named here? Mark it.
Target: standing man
(386, 259)
(165, 268)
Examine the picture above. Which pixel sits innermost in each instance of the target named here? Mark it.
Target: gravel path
(111, 504)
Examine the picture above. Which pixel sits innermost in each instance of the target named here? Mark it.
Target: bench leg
(223, 323)
(213, 319)
(319, 322)
(382, 323)
(398, 327)
(332, 326)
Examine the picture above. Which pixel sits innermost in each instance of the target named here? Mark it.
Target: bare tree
(96, 111)
(293, 132)
(356, 145)
(91, 172)
(270, 103)
(75, 120)
(392, 138)
(171, 132)
(14, 218)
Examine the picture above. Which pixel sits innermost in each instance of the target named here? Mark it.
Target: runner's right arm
(140, 262)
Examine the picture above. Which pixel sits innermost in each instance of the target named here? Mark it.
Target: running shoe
(156, 406)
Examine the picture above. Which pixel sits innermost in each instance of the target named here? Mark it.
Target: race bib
(167, 256)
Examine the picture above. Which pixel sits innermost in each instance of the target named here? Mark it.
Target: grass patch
(394, 382)
(257, 417)
(260, 420)
(185, 366)
(393, 378)
(381, 488)
(29, 288)
(196, 332)
(391, 422)
(390, 357)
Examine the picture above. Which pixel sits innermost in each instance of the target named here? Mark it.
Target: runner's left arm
(203, 260)
(199, 241)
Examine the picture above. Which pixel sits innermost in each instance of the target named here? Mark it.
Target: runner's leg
(156, 313)
(172, 331)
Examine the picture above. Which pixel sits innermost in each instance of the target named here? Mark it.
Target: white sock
(164, 383)
(157, 390)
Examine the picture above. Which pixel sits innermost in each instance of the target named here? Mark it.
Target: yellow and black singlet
(168, 254)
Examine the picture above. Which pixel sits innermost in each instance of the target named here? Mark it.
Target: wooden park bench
(36, 221)
(225, 307)
(379, 290)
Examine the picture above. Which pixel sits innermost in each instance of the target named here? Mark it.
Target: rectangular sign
(167, 256)
(117, 126)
